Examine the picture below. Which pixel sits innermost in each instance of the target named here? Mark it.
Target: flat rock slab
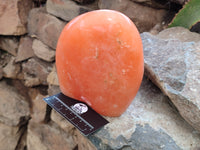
(145, 20)
(48, 137)
(44, 26)
(174, 66)
(14, 110)
(14, 16)
(149, 123)
(65, 9)
(9, 137)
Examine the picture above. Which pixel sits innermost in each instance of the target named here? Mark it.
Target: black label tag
(78, 113)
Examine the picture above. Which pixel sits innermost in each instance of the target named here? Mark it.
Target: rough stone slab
(14, 110)
(38, 109)
(48, 137)
(14, 16)
(9, 137)
(174, 66)
(148, 123)
(145, 20)
(25, 50)
(45, 27)
(65, 9)
(42, 51)
(4, 58)
(53, 89)
(36, 71)
(84, 1)
(9, 44)
(62, 122)
(1, 72)
(11, 70)
(77, 138)
(154, 3)
(52, 78)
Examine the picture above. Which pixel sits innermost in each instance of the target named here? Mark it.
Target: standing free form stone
(14, 16)
(174, 66)
(149, 123)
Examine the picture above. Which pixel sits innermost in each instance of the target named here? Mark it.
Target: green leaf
(188, 15)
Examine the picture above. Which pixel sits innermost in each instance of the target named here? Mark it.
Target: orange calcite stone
(99, 60)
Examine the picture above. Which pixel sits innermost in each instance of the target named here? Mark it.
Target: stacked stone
(28, 39)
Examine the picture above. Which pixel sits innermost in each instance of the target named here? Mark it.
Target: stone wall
(29, 31)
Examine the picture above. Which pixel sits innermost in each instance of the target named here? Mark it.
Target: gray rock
(145, 18)
(180, 33)
(36, 71)
(65, 9)
(9, 44)
(148, 123)
(174, 66)
(45, 27)
(42, 51)
(25, 50)
(14, 110)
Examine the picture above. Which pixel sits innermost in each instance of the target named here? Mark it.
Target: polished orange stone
(99, 60)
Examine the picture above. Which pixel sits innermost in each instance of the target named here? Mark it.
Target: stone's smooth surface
(14, 110)
(9, 44)
(14, 16)
(149, 123)
(11, 70)
(9, 137)
(145, 20)
(36, 71)
(38, 108)
(45, 27)
(174, 66)
(52, 78)
(65, 9)
(25, 50)
(42, 51)
(48, 137)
